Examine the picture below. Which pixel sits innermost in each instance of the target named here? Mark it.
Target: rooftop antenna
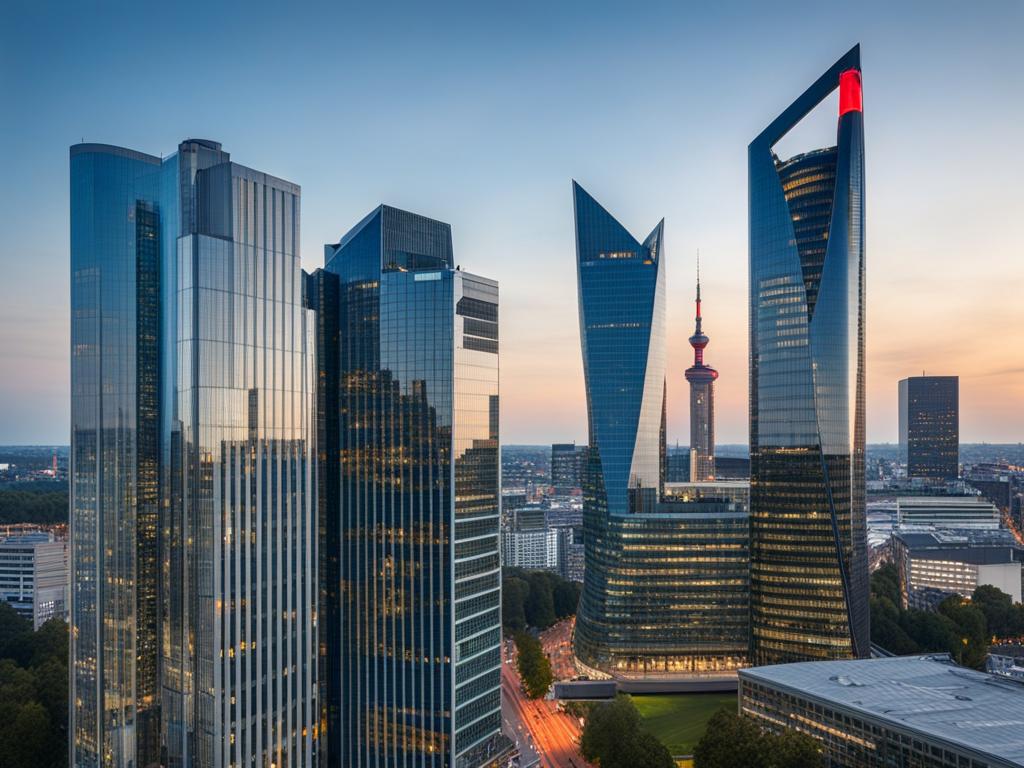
(698, 290)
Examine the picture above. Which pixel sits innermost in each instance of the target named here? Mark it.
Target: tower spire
(702, 397)
(698, 291)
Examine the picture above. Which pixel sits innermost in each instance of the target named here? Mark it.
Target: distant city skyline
(484, 121)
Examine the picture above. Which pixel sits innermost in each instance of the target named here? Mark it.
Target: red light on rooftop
(851, 98)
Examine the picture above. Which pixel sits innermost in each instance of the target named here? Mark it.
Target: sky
(480, 114)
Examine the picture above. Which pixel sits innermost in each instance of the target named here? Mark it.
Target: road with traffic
(554, 735)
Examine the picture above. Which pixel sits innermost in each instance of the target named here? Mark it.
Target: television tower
(702, 404)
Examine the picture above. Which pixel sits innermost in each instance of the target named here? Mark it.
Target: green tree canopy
(614, 738)
(536, 599)
(971, 633)
(540, 603)
(1002, 617)
(514, 592)
(731, 741)
(533, 665)
(33, 692)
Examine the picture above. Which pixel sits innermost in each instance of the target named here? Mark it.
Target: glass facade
(418, 669)
(665, 585)
(194, 536)
(809, 583)
(115, 439)
(930, 426)
(675, 590)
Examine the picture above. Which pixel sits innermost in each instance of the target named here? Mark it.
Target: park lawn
(679, 720)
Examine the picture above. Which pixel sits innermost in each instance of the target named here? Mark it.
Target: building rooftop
(980, 547)
(926, 694)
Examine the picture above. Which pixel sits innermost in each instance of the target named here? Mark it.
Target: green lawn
(679, 720)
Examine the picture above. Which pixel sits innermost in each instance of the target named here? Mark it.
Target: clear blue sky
(480, 114)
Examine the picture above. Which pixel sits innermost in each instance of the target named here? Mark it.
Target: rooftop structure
(903, 710)
(947, 512)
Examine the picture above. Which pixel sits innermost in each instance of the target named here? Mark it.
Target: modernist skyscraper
(929, 422)
(193, 466)
(809, 580)
(653, 601)
(702, 405)
(413, 644)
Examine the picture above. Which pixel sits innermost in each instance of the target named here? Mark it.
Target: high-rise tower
(412, 665)
(193, 465)
(809, 576)
(653, 601)
(702, 404)
(929, 420)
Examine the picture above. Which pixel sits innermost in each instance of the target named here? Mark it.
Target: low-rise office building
(935, 564)
(34, 576)
(913, 711)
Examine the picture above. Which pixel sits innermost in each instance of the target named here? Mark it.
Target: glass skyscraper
(929, 422)
(809, 580)
(413, 647)
(665, 584)
(194, 474)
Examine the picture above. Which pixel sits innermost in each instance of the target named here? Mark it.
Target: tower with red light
(809, 585)
(702, 404)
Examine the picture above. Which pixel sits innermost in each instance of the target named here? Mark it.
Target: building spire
(702, 397)
(698, 291)
(698, 341)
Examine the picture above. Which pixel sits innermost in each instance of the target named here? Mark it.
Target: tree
(885, 583)
(613, 736)
(540, 604)
(731, 740)
(932, 632)
(971, 632)
(534, 667)
(536, 599)
(997, 606)
(886, 630)
(566, 598)
(514, 592)
(28, 738)
(794, 749)
(33, 692)
(12, 626)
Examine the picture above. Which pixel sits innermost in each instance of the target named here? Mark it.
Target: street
(557, 643)
(553, 734)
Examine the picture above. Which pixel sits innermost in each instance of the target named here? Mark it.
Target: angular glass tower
(809, 580)
(622, 329)
(193, 625)
(654, 601)
(413, 654)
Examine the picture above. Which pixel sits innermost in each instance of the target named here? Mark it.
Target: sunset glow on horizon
(651, 113)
